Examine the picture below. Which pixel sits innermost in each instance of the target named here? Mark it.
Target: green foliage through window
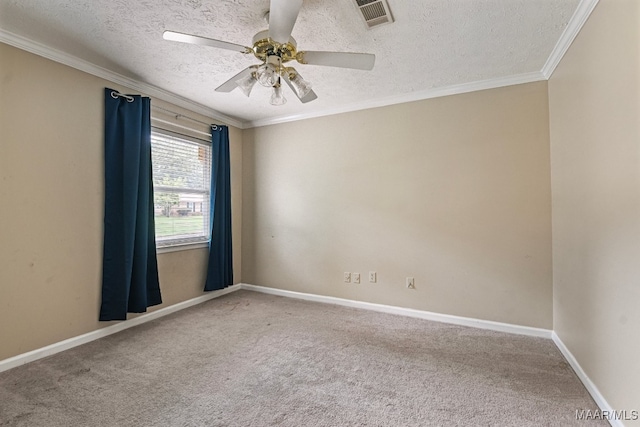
(181, 180)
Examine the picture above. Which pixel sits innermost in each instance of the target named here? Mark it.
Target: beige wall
(453, 191)
(51, 191)
(594, 98)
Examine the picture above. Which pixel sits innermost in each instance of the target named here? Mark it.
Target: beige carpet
(249, 359)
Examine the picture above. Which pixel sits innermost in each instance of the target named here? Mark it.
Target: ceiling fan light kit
(277, 98)
(268, 74)
(246, 83)
(300, 86)
(275, 47)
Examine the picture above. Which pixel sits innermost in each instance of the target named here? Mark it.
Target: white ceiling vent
(374, 12)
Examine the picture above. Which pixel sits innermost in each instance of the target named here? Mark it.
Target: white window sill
(184, 247)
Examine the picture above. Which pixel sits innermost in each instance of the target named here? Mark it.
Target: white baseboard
(588, 384)
(49, 350)
(409, 312)
(456, 320)
(58, 347)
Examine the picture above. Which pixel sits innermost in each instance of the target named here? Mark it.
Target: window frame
(180, 244)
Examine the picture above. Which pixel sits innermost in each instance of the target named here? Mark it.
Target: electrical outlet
(411, 283)
(356, 277)
(347, 277)
(373, 277)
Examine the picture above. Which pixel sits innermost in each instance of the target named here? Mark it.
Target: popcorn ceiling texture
(432, 44)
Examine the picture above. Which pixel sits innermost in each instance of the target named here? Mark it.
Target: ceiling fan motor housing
(263, 47)
(269, 48)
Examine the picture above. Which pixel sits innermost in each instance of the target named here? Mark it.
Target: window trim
(183, 244)
(182, 247)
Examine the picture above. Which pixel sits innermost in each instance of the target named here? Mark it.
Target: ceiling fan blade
(204, 41)
(231, 84)
(282, 18)
(358, 61)
(307, 98)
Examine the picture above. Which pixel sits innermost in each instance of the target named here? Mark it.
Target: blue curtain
(129, 265)
(220, 267)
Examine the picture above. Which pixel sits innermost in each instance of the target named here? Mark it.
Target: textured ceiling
(432, 44)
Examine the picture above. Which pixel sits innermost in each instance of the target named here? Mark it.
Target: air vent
(374, 12)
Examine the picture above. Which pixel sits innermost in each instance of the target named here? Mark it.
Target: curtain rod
(115, 94)
(179, 116)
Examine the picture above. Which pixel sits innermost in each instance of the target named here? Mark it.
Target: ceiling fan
(275, 47)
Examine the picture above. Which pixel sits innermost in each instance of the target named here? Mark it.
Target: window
(181, 179)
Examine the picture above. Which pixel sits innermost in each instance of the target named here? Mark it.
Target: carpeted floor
(250, 359)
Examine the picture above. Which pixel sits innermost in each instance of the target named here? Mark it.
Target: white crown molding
(582, 13)
(67, 344)
(584, 378)
(95, 70)
(408, 312)
(408, 97)
(577, 21)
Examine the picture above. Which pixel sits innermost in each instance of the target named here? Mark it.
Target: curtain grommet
(115, 95)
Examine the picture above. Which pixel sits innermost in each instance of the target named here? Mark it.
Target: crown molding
(575, 24)
(579, 18)
(407, 97)
(95, 70)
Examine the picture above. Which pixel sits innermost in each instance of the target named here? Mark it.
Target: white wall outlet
(373, 277)
(411, 283)
(347, 277)
(356, 277)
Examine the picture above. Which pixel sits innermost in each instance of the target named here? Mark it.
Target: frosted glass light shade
(277, 98)
(267, 75)
(246, 83)
(301, 86)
